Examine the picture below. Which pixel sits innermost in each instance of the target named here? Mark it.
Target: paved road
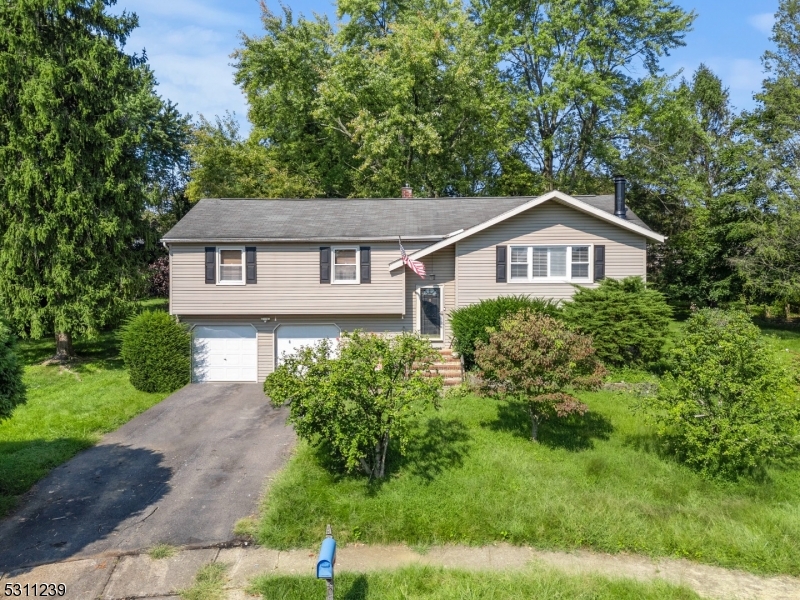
(181, 473)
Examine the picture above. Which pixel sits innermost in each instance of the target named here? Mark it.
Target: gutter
(393, 238)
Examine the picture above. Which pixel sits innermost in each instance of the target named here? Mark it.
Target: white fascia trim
(555, 195)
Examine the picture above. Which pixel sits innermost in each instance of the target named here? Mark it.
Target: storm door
(431, 311)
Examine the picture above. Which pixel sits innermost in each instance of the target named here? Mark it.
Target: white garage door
(293, 337)
(224, 353)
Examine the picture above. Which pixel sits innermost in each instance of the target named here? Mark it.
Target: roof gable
(556, 196)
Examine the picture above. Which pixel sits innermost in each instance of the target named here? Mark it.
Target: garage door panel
(225, 353)
(290, 338)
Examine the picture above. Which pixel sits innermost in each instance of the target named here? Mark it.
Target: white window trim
(358, 266)
(568, 279)
(219, 265)
(418, 324)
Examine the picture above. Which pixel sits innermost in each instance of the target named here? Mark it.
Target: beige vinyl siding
(440, 264)
(548, 224)
(288, 283)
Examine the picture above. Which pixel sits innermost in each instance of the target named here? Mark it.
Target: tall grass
(474, 477)
(425, 583)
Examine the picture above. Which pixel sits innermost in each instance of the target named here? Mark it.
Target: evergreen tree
(82, 135)
(772, 265)
(698, 178)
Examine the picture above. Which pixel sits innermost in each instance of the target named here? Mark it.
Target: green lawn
(67, 410)
(438, 584)
(473, 477)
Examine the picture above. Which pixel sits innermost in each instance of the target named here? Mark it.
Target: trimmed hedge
(12, 390)
(156, 350)
(628, 322)
(472, 323)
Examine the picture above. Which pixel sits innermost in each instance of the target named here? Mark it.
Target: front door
(431, 311)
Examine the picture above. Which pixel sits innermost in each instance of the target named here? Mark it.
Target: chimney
(406, 192)
(619, 197)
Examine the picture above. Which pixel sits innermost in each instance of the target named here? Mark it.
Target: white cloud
(763, 22)
(188, 44)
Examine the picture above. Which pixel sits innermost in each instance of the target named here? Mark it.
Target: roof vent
(406, 192)
(619, 197)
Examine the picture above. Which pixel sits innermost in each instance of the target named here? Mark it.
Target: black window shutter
(502, 253)
(366, 266)
(325, 264)
(211, 265)
(599, 263)
(250, 264)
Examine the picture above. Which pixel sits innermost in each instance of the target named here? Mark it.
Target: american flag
(414, 265)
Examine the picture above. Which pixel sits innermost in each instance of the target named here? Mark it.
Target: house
(258, 278)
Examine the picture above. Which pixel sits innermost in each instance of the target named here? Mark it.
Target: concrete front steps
(449, 368)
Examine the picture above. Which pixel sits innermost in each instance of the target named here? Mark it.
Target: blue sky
(189, 43)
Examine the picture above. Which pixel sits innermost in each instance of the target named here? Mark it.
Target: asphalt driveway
(181, 473)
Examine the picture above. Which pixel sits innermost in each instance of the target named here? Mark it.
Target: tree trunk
(64, 350)
(384, 450)
(534, 426)
(788, 310)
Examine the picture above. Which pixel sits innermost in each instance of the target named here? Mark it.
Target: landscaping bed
(473, 476)
(68, 409)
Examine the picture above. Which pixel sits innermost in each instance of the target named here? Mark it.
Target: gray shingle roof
(231, 219)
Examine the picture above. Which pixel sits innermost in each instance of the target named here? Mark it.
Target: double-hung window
(345, 265)
(231, 266)
(580, 262)
(550, 263)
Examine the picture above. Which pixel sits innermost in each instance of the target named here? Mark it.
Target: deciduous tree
(728, 406)
(567, 68)
(359, 396)
(534, 359)
(225, 165)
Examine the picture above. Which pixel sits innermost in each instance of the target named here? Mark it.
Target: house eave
(393, 238)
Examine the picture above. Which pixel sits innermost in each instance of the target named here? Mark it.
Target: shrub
(158, 275)
(535, 359)
(156, 350)
(472, 323)
(728, 406)
(357, 402)
(628, 322)
(12, 390)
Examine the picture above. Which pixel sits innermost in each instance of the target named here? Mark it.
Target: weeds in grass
(246, 528)
(604, 490)
(209, 583)
(161, 551)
